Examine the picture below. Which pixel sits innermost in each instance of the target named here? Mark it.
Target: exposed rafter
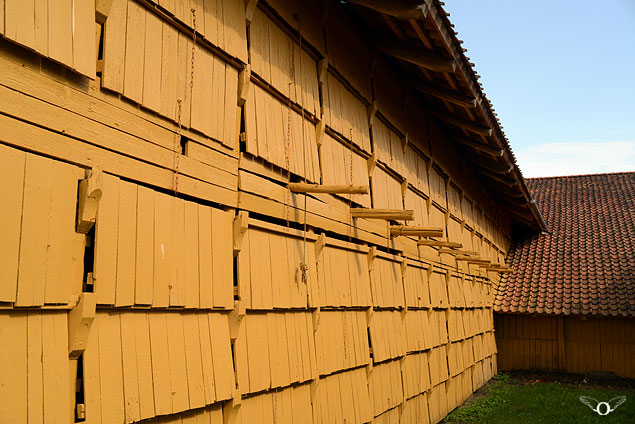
(402, 9)
(414, 54)
(460, 122)
(444, 93)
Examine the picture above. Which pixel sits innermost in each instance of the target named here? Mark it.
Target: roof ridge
(581, 175)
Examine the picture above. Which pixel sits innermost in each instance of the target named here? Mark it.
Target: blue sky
(561, 76)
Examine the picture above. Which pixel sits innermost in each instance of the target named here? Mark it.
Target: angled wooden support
(457, 252)
(241, 222)
(414, 54)
(80, 319)
(461, 122)
(320, 129)
(88, 201)
(476, 145)
(244, 81)
(371, 162)
(250, 8)
(371, 111)
(439, 243)
(236, 319)
(415, 231)
(394, 214)
(402, 9)
(323, 66)
(102, 10)
(332, 189)
(444, 93)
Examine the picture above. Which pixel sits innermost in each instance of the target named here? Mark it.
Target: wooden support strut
(439, 243)
(332, 189)
(417, 55)
(391, 214)
(88, 201)
(461, 122)
(402, 9)
(402, 230)
(80, 319)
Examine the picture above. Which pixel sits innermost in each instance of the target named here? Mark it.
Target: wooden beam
(460, 122)
(496, 177)
(402, 9)
(490, 164)
(439, 243)
(332, 189)
(472, 259)
(457, 252)
(444, 93)
(395, 214)
(402, 230)
(475, 145)
(417, 55)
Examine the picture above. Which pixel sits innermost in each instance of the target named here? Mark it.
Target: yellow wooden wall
(201, 311)
(571, 344)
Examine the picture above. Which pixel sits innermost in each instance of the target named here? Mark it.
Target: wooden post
(333, 189)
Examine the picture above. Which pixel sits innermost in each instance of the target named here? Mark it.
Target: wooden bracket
(244, 81)
(241, 223)
(319, 132)
(394, 214)
(80, 319)
(323, 66)
(403, 230)
(250, 8)
(372, 253)
(102, 10)
(372, 112)
(404, 143)
(319, 245)
(231, 410)
(90, 193)
(236, 319)
(372, 163)
(404, 188)
(315, 316)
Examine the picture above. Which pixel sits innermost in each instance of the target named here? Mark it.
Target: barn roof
(585, 264)
(410, 30)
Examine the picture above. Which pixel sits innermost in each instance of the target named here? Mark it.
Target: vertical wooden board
(222, 258)
(257, 352)
(91, 371)
(230, 136)
(13, 366)
(311, 345)
(111, 375)
(83, 27)
(261, 120)
(255, 269)
(135, 56)
(243, 270)
(106, 230)
(235, 36)
(183, 78)
(222, 355)
(152, 64)
(274, 351)
(130, 375)
(160, 363)
(169, 69)
(12, 166)
(178, 367)
(114, 46)
(206, 299)
(34, 231)
(240, 358)
(251, 139)
(126, 243)
(144, 246)
(291, 347)
(334, 399)
(61, 32)
(266, 299)
(191, 256)
(41, 27)
(303, 344)
(207, 358)
(177, 238)
(217, 118)
(19, 21)
(163, 250)
(283, 349)
(202, 93)
(346, 390)
(281, 285)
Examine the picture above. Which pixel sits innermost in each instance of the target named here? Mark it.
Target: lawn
(544, 398)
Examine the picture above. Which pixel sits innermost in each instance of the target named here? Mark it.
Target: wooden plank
(35, 224)
(19, 17)
(134, 58)
(130, 375)
(144, 365)
(13, 357)
(191, 257)
(202, 94)
(160, 363)
(111, 377)
(2, 16)
(178, 367)
(41, 28)
(194, 361)
(59, 261)
(177, 274)
(222, 258)
(114, 46)
(169, 71)
(126, 244)
(61, 32)
(221, 352)
(207, 359)
(12, 166)
(106, 230)
(163, 250)
(205, 256)
(144, 263)
(83, 28)
(92, 377)
(152, 49)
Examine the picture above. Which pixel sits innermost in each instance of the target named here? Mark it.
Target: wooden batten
(402, 9)
(415, 231)
(417, 55)
(457, 252)
(445, 94)
(439, 243)
(461, 122)
(330, 189)
(394, 214)
(472, 259)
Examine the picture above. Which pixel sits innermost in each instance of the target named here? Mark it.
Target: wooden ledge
(332, 189)
(394, 214)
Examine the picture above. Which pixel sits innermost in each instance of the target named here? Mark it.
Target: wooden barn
(570, 304)
(228, 211)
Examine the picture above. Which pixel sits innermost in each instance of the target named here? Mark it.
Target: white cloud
(576, 158)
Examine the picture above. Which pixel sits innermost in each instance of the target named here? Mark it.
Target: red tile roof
(586, 264)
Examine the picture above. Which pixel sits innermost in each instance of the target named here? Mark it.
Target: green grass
(509, 399)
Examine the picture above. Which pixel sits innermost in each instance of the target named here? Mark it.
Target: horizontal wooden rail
(439, 243)
(457, 252)
(332, 189)
(402, 230)
(396, 214)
